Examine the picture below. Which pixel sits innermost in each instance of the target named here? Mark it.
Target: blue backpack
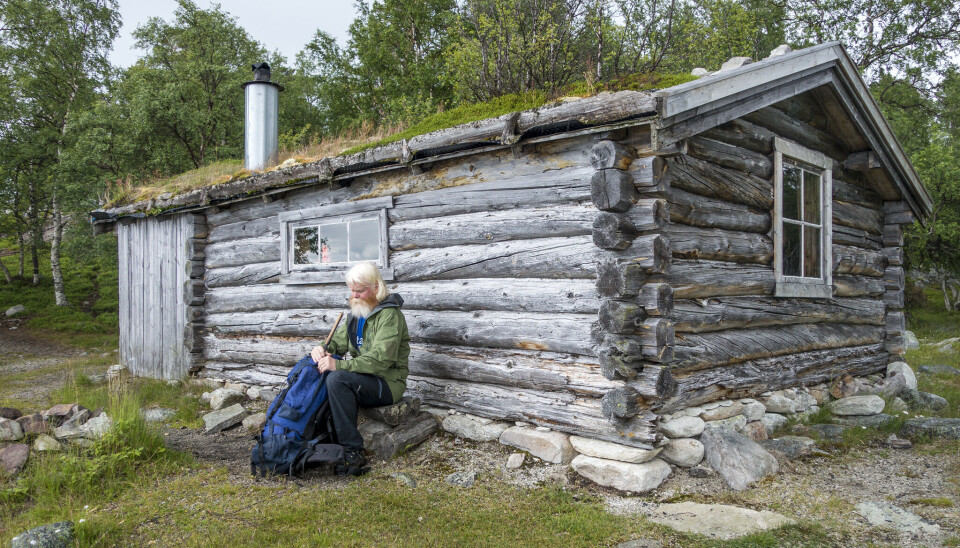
(299, 429)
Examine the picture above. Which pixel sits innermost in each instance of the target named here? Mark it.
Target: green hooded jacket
(386, 345)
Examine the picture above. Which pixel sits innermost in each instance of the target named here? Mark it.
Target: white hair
(368, 275)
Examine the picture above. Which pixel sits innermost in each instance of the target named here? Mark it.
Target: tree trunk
(6, 273)
(35, 257)
(58, 292)
(22, 253)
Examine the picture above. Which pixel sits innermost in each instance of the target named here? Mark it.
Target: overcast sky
(284, 25)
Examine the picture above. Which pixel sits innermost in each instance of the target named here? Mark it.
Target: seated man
(376, 336)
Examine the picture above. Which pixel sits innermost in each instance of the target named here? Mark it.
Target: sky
(284, 25)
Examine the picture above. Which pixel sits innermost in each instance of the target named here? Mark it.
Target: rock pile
(63, 424)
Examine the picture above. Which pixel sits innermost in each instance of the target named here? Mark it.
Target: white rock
(805, 401)
(255, 422)
(624, 476)
(700, 72)
(550, 446)
(224, 418)
(253, 392)
(773, 422)
(711, 406)
(612, 451)
(689, 412)
(205, 397)
(46, 443)
(682, 427)
(735, 423)
(777, 403)
(740, 460)
(910, 341)
(726, 410)
(735, 63)
(906, 371)
(14, 310)
(684, 452)
(238, 386)
(884, 514)
(10, 430)
(473, 428)
(857, 405)
(96, 427)
(158, 414)
(438, 412)
(753, 411)
(225, 397)
(782, 49)
(718, 521)
(515, 461)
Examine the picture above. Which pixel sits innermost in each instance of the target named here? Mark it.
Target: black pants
(347, 392)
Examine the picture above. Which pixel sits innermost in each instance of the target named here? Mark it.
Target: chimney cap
(261, 75)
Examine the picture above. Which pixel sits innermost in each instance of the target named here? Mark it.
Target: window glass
(791, 249)
(811, 252)
(305, 249)
(811, 197)
(364, 240)
(333, 243)
(791, 192)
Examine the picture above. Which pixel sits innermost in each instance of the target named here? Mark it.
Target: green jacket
(386, 345)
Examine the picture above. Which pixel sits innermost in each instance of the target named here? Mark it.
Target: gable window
(319, 244)
(803, 261)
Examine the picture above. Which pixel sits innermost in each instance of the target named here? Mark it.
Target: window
(319, 244)
(803, 261)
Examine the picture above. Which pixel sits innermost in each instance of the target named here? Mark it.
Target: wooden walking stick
(336, 323)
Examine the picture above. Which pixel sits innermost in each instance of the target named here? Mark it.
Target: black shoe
(353, 464)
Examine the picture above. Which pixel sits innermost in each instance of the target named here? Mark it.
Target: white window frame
(798, 286)
(375, 208)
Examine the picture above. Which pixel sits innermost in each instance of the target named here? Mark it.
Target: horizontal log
(705, 350)
(707, 179)
(799, 132)
(259, 273)
(621, 275)
(741, 133)
(892, 235)
(893, 299)
(656, 299)
(602, 108)
(696, 210)
(857, 286)
(855, 194)
(863, 161)
(281, 353)
(613, 190)
(702, 279)
(854, 260)
(611, 155)
(731, 156)
(894, 278)
(688, 242)
(753, 377)
(559, 411)
(521, 294)
(493, 226)
(722, 313)
(857, 216)
(894, 255)
(846, 235)
(573, 257)
(255, 228)
(529, 331)
(243, 251)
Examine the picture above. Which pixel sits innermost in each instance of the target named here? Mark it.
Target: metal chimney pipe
(261, 127)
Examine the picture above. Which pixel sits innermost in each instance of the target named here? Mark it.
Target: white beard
(360, 308)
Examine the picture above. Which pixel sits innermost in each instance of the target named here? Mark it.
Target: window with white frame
(319, 244)
(803, 182)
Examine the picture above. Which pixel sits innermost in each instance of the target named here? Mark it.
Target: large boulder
(612, 451)
(97, 427)
(857, 405)
(903, 369)
(682, 427)
(740, 460)
(624, 476)
(718, 521)
(936, 427)
(33, 424)
(550, 446)
(683, 452)
(53, 535)
(393, 415)
(474, 428)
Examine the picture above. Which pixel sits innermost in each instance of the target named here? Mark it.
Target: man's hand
(318, 353)
(327, 363)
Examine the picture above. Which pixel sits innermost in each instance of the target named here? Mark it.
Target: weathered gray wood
(720, 245)
(657, 337)
(250, 274)
(611, 155)
(519, 294)
(621, 316)
(806, 109)
(622, 275)
(854, 236)
(895, 345)
(857, 286)
(602, 108)
(493, 226)
(572, 257)
(895, 323)
(854, 260)
(194, 292)
(894, 255)
(894, 278)
(613, 231)
(705, 350)
(559, 411)
(707, 179)
(656, 299)
(242, 252)
(863, 161)
(696, 210)
(256, 228)
(635, 398)
(790, 128)
(855, 194)
(892, 235)
(702, 279)
(754, 377)
(897, 213)
(893, 299)
(856, 216)
(613, 190)
(722, 313)
(528, 331)
(731, 156)
(742, 133)
(123, 292)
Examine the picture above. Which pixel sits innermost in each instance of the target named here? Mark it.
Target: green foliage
(931, 320)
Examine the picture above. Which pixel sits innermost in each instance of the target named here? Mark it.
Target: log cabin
(587, 266)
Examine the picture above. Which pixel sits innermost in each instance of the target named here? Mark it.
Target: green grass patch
(939, 502)
(928, 319)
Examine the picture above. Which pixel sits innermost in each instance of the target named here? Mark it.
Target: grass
(938, 502)
(368, 136)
